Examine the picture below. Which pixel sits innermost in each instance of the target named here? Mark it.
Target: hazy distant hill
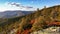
(39, 20)
(15, 13)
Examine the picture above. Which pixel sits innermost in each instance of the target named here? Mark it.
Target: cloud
(13, 3)
(20, 5)
(15, 6)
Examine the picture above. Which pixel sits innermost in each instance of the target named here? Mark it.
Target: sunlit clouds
(15, 6)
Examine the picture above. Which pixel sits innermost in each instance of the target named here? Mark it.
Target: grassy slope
(35, 21)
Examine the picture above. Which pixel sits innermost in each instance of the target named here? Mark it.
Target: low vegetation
(41, 19)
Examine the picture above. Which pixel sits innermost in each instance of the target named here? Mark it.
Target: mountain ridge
(9, 14)
(41, 19)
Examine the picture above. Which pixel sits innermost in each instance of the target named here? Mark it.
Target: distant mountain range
(15, 13)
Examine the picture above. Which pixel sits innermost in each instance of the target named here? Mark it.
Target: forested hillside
(41, 19)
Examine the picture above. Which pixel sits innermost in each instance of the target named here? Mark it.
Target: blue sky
(30, 3)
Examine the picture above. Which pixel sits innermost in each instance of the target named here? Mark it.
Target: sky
(28, 5)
